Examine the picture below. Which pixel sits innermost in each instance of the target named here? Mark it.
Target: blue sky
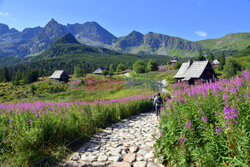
(188, 19)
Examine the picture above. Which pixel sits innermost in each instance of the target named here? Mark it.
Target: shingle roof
(182, 70)
(59, 74)
(215, 62)
(99, 70)
(196, 69)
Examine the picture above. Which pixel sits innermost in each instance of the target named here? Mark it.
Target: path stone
(102, 158)
(116, 158)
(75, 157)
(130, 157)
(140, 164)
(124, 144)
(133, 149)
(120, 164)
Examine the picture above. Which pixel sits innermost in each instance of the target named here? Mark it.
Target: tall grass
(30, 131)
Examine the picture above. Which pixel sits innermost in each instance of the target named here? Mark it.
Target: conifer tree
(222, 61)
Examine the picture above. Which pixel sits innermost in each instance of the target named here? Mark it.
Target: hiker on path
(158, 102)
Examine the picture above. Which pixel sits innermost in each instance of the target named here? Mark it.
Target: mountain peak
(52, 22)
(135, 33)
(3, 28)
(91, 22)
(67, 39)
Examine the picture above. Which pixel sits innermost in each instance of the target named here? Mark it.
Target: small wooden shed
(215, 62)
(99, 70)
(60, 75)
(174, 60)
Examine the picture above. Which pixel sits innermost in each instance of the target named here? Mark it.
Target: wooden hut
(174, 60)
(60, 75)
(196, 72)
(99, 70)
(215, 63)
(126, 71)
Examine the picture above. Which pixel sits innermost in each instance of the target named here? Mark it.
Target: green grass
(58, 91)
(229, 43)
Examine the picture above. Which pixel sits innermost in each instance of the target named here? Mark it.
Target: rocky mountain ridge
(32, 41)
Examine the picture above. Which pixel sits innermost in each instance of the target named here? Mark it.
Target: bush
(120, 68)
(139, 66)
(171, 80)
(177, 65)
(105, 72)
(231, 68)
(152, 66)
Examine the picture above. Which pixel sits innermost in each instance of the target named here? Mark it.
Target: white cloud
(201, 33)
(4, 14)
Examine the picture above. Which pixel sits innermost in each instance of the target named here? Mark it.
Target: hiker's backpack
(158, 100)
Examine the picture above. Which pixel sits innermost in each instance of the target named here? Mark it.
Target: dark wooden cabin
(60, 75)
(195, 72)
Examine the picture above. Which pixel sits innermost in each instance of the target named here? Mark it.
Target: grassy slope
(229, 43)
(243, 57)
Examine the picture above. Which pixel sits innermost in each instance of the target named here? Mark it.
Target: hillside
(66, 53)
(156, 44)
(243, 57)
(229, 43)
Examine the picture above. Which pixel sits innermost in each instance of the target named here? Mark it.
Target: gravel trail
(128, 143)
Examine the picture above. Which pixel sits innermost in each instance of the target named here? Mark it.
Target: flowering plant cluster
(97, 83)
(163, 68)
(206, 125)
(32, 130)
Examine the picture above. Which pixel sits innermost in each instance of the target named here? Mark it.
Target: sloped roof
(59, 74)
(196, 69)
(99, 70)
(173, 61)
(215, 62)
(182, 70)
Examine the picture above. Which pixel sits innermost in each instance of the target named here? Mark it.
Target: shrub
(152, 66)
(139, 66)
(120, 68)
(171, 80)
(177, 65)
(105, 72)
(231, 68)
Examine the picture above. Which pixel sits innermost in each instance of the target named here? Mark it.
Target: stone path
(128, 143)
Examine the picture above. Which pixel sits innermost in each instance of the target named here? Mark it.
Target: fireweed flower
(225, 96)
(216, 114)
(183, 139)
(188, 124)
(169, 105)
(204, 118)
(218, 130)
(229, 114)
(246, 74)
